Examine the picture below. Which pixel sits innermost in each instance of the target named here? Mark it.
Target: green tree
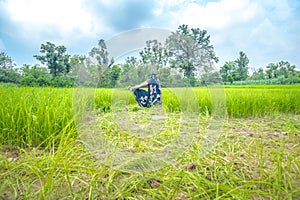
(236, 70)
(76, 63)
(241, 72)
(282, 69)
(272, 70)
(55, 58)
(131, 61)
(227, 71)
(35, 76)
(99, 53)
(287, 72)
(98, 63)
(190, 50)
(112, 76)
(8, 72)
(154, 54)
(78, 71)
(259, 74)
(6, 62)
(285, 69)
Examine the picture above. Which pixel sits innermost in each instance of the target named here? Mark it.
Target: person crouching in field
(150, 97)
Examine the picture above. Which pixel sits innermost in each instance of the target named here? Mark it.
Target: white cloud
(217, 15)
(52, 18)
(168, 3)
(266, 29)
(66, 14)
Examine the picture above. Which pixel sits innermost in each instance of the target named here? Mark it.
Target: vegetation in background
(8, 71)
(235, 70)
(55, 58)
(185, 59)
(190, 51)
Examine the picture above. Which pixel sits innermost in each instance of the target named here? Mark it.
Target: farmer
(150, 97)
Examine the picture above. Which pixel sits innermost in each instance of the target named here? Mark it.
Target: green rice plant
(103, 99)
(262, 100)
(256, 155)
(32, 116)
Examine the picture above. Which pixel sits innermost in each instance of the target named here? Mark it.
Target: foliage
(98, 63)
(242, 67)
(165, 77)
(273, 81)
(9, 76)
(8, 85)
(258, 75)
(6, 62)
(55, 58)
(190, 51)
(35, 76)
(154, 54)
(63, 82)
(8, 72)
(281, 69)
(99, 54)
(236, 70)
(185, 59)
(111, 77)
(80, 74)
(76, 62)
(227, 71)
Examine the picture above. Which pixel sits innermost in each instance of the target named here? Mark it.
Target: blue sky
(266, 30)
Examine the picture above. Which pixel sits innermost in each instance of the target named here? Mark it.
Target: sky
(268, 31)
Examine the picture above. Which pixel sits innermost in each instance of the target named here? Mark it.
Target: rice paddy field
(221, 142)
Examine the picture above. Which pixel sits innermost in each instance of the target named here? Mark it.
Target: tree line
(185, 59)
(237, 72)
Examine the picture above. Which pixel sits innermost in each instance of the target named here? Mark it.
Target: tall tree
(242, 67)
(100, 53)
(78, 72)
(190, 50)
(227, 71)
(132, 61)
(56, 59)
(272, 70)
(286, 69)
(76, 62)
(113, 75)
(8, 72)
(154, 54)
(98, 62)
(259, 74)
(6, 62)
(236, 70)
(282, 69)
